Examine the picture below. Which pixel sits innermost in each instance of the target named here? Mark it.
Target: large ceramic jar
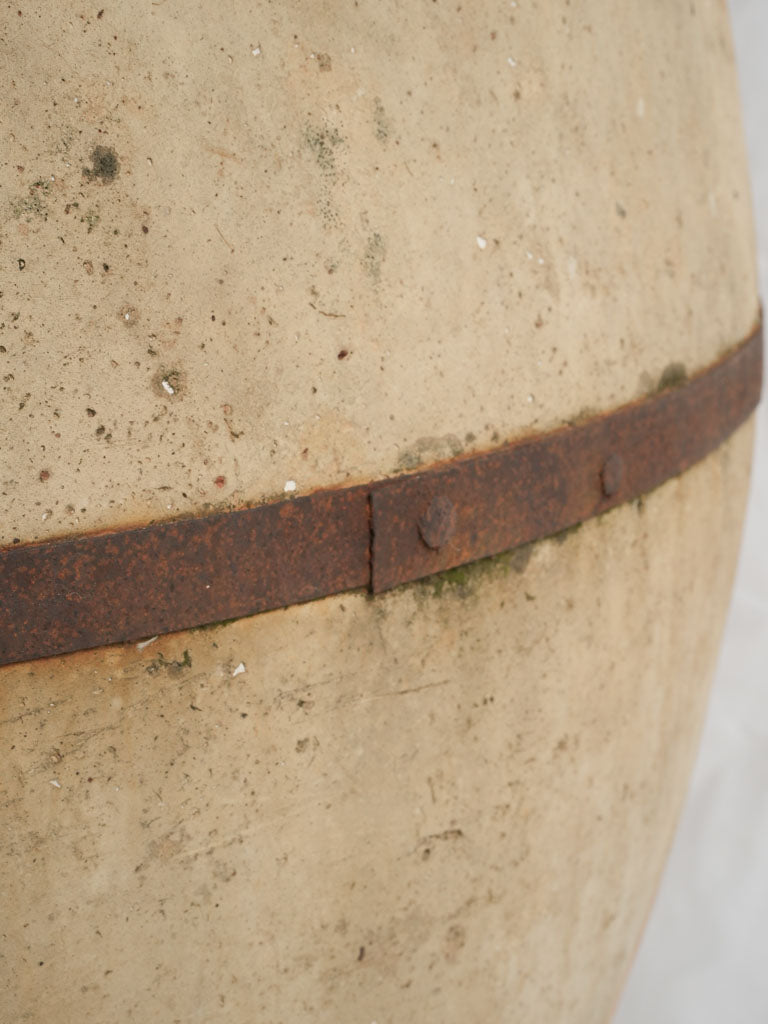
(253, 250)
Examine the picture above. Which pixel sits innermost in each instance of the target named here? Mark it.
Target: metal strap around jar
(87, 591)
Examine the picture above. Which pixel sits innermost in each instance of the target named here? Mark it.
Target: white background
(704, 956)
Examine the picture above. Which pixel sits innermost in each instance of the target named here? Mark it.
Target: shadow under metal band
(90, 590)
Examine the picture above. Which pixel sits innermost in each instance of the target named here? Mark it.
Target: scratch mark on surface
(322, 312)
(221, 236)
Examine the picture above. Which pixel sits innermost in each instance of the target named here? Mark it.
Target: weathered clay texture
(252, 249)
(321, 243)
(446, 804)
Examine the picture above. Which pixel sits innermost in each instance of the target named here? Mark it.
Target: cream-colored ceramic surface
(245, 244)
(250, 243)
(448, 804)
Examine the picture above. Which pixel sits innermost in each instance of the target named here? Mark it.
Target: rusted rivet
(612, 475)
(438, 524)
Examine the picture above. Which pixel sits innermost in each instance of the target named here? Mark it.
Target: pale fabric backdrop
(704, 956)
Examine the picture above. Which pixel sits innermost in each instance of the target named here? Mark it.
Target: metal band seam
(91, 590)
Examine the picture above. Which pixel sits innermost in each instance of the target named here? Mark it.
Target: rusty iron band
(87, 591)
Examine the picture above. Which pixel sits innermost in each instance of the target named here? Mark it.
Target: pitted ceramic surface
(287, 246)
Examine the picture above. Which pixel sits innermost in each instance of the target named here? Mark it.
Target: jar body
(307, 249)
